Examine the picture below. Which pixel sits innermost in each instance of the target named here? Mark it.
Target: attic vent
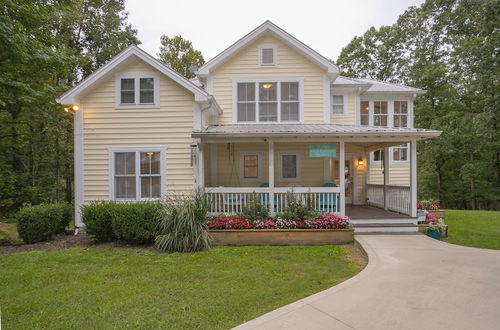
(267, 56)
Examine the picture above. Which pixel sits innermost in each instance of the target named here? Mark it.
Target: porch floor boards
(371, 212)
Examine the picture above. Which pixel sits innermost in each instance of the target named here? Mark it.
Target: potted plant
(432, 207)
(434, 231)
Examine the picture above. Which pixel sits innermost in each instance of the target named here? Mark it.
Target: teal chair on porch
(327, 202)
(264, 197)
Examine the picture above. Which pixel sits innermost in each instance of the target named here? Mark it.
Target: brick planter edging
(282, 236)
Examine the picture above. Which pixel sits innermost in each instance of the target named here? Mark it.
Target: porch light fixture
(361, 163)
(267, 85)
(149, 154)
(73, 108)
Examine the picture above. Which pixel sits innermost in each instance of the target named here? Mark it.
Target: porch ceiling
(366, 135)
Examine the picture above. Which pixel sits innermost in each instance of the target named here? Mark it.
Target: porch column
(413, 178)
(342, 177)
(201, 166)
(271, 178)
(386, 178)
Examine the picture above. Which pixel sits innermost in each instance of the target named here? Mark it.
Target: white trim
(357, 101)
(298, 165)
(260, 168)
(391, 155)
(104, 72)
(256, 81)
(332, 70)
(342, 176)
(137, 76)
(111, 170)
(275, 56)
(386, 177)
(413, 178)
(78, 159)
(344, 110)
(271, 176)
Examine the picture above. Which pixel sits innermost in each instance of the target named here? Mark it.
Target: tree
(180, 55)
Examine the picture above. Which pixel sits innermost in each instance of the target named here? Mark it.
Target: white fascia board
(332, 70)
(70, 96)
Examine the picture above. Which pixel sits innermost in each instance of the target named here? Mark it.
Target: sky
(213, 25)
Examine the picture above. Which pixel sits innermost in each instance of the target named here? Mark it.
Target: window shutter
(267, 56)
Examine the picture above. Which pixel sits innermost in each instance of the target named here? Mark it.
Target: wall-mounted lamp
(72, 107)
(360, 163)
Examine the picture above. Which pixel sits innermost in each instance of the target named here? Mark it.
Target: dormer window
(137, 90)
(267, 55)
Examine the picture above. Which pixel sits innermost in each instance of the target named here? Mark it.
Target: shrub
(40, 223)
(254, 210)
(295, 210)
(97, 217)
(182, 225)
(135, 223)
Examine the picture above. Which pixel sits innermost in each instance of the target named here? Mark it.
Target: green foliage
(135, 223)
(254, 210)
(97, 217)
(179, 54)
(450, 49)
(296, 210)
(40, 223)
(182, 224)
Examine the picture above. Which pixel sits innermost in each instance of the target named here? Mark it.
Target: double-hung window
(400, 153)
(400, 117)
(289, 166)
(380, 113)
(137, 174)
(338, 105)
(364, 109)
(268, 101)
(137, 90)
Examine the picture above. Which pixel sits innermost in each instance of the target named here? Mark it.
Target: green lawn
(473, 228)
(82, 288)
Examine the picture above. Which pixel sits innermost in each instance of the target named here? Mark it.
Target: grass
(479, 229)
(8, 233)
(82, 288)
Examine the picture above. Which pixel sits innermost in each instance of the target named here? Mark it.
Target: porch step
(386, 220)
(385, 227)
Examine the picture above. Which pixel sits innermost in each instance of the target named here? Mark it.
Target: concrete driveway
(411, 282)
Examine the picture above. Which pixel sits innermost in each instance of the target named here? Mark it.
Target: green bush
(182, 224)
(97, 217)
(254, 210)
(40, 223)
(135, 223)
(295, 210)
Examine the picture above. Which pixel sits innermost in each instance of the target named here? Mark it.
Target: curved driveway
(411, 282)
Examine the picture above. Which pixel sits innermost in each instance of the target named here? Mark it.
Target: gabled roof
(114, 64)
(281, 34)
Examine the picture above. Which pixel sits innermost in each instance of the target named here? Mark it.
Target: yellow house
(268, 115)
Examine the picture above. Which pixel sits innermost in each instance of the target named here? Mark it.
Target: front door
(348, 178)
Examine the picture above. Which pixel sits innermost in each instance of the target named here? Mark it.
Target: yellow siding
(350, 117)
(399, 174)
(169, 126)
(245, 64)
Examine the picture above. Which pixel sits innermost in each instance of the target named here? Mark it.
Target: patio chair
(327, 201)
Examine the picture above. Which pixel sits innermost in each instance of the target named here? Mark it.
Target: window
(289, 166)
(364, 108)
(338, 104)
(268, 101)
(137, 90)
(380, 113)
(400, 114)
(378, 156)
(251, 166)
(267, 55)
(137, 174)
(400, 153)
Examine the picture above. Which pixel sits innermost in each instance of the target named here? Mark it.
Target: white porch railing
(398, 197)
(232, 200)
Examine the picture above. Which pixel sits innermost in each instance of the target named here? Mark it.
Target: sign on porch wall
(323, 150)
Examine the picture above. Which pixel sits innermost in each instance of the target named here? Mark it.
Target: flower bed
(324, 229)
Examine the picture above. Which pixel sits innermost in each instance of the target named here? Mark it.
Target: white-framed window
(339, 104)
(136, 173)
(137, 90)
(400, 153)
(400, 116)
(364, 113)
(377, 156)
(251, 166)
(289, 166)
(267, 55)
(380, 112)
(271, 101)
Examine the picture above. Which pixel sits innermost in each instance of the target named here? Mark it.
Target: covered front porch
(238, 163)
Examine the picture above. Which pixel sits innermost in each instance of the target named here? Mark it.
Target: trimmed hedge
(41, 222)
(134, 223)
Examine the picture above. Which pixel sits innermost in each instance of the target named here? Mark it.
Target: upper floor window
(400, 118)
(267, 55)
(380, 113)
(268, 101)
(338, 104)
(137, 90)
(365, 113)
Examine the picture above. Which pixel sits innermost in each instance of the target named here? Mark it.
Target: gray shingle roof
(375, 85)
(260, 130)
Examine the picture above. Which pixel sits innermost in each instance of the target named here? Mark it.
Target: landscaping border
(282, 236)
